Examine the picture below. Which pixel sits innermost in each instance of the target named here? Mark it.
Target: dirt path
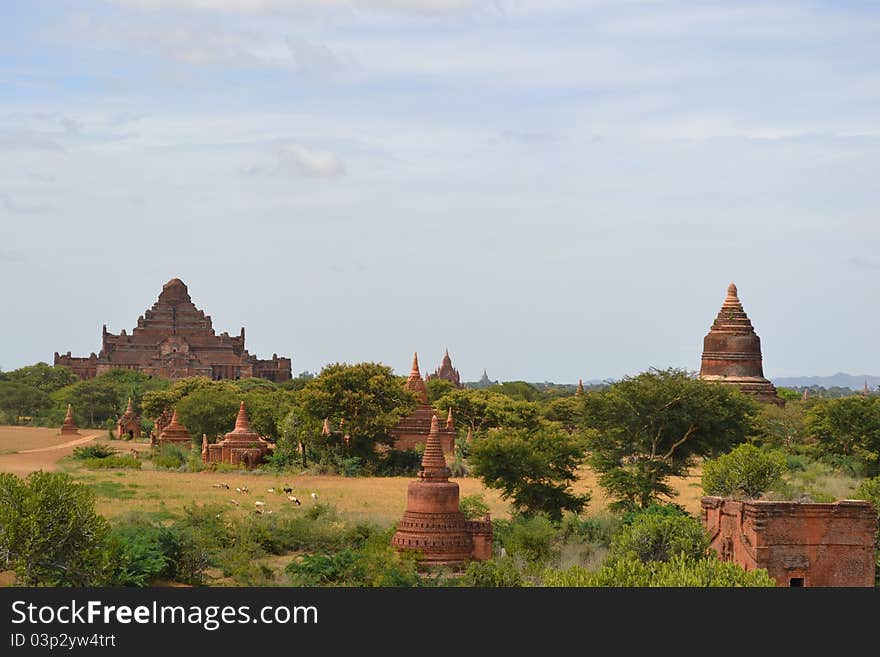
(42, 458)
(72, 443)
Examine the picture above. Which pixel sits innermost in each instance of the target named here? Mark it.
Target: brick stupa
(241, 446)
(732, 352)
(413, 429)
(129, 424)
(175, 433)
(68, 427)
(433, 523)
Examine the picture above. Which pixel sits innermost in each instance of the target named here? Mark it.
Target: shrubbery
(678, 571)
(746, 471)
(170, 457)
(93, 451)
(660, 537)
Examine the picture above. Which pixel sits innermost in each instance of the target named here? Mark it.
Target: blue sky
(551, 189)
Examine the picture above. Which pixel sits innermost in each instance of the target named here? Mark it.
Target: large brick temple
(732, 352)
(174, 339)
(413, 429)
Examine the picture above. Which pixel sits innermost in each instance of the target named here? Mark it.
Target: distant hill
(839, 380)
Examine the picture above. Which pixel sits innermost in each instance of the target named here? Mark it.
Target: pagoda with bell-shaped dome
(732, 352)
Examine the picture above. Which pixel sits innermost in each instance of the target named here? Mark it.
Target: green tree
(482, 410)
(519, 390)
(849, 426)
(781, 426)
(49, 532)
(156, 401)
(19, 400)
(437, 388)
(94, 401)
(44, 376)
(869, 489)
(534, 470)
(209, 410)
(746, 471)
(653, 426)
(366, 397)
(568, 411)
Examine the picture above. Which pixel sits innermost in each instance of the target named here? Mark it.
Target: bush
(745, 471)
(659, 537)
(533, 539)
(474, 507)
(49, 532)
(170, 457)
(869, 490)
(598, 529)
(125, 462)
(375, 563)
(137, 554)
(111, 428)
(678, 571)
(495, 573)
(93, 451)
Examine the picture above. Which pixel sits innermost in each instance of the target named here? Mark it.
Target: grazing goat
(287, 489)
(270, 490)
(226, 486)
(235, 502)
(294, 500)
(315, 497)
(258, 503)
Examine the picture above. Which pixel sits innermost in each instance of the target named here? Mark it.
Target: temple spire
(242, 424)
(415, 383)
(580, 388)
(130, 408)
(68, 427)
(450, 424)
(325, 430)
(433, 461)
(414, 370)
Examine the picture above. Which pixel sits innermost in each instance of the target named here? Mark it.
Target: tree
(746, 471)
(568, 411)
(483, 409)
(49, 531)
(781, 426)
(209, 410)
(437, 388)
(532, 469)
(366, 397)
(156, 401)
(849, 426)
(519, 390)
(19, 400)
(653, 426)
(44, 376)
(94, 401)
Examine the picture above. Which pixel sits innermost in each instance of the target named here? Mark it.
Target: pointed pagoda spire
(806, 393)
(580, 388)
(204, 447)
(470, 435)
(241, 422)
(129, 408)
(433, 461)
(325, 430)
(866, 391)
(68, 427)
(450, 424)
(415, 383)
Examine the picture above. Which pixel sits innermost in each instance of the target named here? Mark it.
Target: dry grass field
(378, 499)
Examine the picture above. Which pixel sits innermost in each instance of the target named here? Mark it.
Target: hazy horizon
(551, 190)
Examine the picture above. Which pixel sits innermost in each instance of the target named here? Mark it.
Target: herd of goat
(259, 504)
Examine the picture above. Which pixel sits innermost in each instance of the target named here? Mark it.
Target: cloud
(11, 205)
(261, 6)
(865, 263)
(315, 59)
(41, 177)
(295, 159)
(28, 141)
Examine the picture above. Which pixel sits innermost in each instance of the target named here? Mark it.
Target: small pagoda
(446, 372)
(413, 429)
(732, 352)
(129, 424)
(241, 446)
(433, 523)
(68, 427)
(175, 433)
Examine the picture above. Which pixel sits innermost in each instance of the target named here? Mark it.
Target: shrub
(126, 462)
(495, 573)
(170, 457)
(678, 571)
(93, 451)
(869, 490)
(473, 507)
(375, 563)
(137, 554)
(111, 428)
(599, 529)
(533, 539)
(49, 531)
(745, 471)
(659, 537)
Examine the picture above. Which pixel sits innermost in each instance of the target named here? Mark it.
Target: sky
(550, 189)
